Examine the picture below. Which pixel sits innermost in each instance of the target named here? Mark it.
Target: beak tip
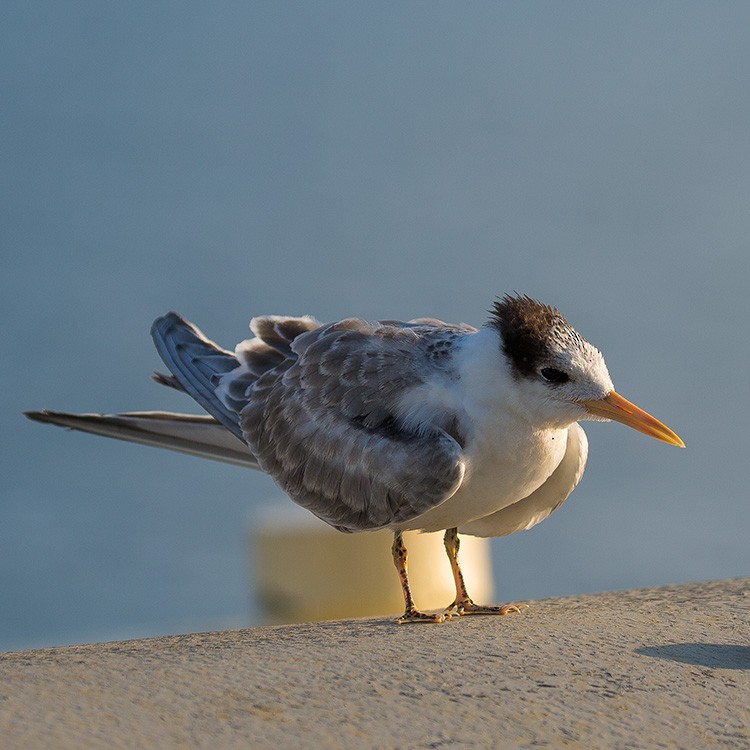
(673, 439)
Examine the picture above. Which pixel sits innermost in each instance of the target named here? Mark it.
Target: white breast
(544, 500)
(502, 467)
(507, 457)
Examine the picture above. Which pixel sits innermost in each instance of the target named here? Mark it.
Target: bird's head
(559, 372)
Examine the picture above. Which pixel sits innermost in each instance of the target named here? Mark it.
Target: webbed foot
(467, 607)
(414, 615)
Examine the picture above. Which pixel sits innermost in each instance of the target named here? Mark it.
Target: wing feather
(325, 427)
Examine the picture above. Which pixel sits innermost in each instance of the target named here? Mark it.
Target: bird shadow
(713, 655)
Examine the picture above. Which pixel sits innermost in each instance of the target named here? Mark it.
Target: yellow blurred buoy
(307, 571)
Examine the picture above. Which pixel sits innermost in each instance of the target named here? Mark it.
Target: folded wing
(315, 406)
(327, 427)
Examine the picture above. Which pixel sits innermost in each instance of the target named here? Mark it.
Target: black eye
(551, 375)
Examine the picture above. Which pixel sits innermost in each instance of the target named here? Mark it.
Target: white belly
(499, 472)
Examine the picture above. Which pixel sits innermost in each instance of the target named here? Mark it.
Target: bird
(419, 425)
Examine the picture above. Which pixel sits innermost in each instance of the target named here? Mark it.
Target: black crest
(527, 327)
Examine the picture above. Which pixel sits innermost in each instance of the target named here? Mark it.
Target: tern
(422, 425)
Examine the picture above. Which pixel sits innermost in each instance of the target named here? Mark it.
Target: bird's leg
(462, 604)
(412, 614)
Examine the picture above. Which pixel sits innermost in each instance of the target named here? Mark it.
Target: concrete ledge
(666, 667)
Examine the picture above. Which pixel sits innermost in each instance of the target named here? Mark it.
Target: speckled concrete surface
(667, 667)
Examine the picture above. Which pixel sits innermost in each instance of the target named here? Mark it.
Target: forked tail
(196, 435)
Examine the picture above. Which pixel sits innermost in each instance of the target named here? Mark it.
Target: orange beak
(613, 406)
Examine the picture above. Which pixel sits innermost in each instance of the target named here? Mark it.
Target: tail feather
(197, 364)
(169, 380)
(198, 435)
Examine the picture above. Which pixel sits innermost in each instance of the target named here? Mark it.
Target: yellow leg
(412, 614)
(462, 604)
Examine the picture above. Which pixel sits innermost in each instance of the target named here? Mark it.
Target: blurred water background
(385, 160)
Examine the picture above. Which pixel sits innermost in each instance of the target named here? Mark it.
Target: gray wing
(325, 426)
(543, 501)
(317, 407)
